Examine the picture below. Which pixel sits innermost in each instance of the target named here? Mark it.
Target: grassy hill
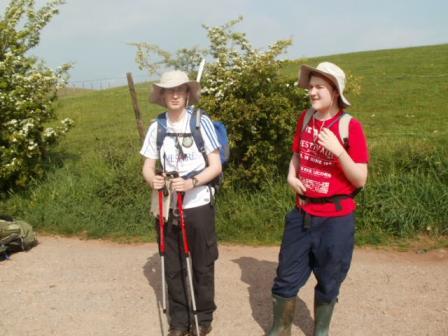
(95, 187)
(402, 88)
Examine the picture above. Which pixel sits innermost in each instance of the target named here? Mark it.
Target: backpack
(344, 121)
(15, 236)
(195, 129)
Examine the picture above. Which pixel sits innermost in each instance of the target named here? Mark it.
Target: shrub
(28, 89)
(245, 90)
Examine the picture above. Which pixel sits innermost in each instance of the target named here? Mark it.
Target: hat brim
(194, 89)
(304, 80)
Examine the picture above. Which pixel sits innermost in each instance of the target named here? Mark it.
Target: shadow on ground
(151, 270)
(259, 276)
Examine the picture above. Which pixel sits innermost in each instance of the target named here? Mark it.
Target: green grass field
(94, 186)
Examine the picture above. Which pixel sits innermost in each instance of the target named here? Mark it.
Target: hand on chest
(309, 144)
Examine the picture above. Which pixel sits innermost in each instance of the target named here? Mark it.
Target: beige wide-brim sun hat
(328, 70)
(172, 79)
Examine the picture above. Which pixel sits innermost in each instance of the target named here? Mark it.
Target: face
(323, 95)
(176, 98)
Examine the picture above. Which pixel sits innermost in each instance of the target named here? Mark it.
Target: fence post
(138, 116)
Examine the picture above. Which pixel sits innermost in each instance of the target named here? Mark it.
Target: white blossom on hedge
(27, 92)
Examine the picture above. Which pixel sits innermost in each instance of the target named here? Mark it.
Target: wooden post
(138, 115)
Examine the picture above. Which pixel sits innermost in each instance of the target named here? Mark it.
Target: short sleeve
(149, 148)
(208, 133)
(357, 150)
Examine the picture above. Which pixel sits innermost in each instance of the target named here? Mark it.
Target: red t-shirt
(320, 170)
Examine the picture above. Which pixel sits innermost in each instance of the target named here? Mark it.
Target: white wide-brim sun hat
(172, 79)
(328, 70)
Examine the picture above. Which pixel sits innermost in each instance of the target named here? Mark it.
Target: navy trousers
(325, 248)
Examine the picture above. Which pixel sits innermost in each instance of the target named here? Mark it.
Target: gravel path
(68, 286)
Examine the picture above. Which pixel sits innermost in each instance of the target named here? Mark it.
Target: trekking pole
(162, 193)
(198, 79)
(187, 257)
(200, 70)
(162, 247)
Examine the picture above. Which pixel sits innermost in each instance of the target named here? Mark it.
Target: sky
(94, 35)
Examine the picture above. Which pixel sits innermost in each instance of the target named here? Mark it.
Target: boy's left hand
(329, 141)
(179, 184)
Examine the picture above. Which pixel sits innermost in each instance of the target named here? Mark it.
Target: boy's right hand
(296, 185)
(158, 182)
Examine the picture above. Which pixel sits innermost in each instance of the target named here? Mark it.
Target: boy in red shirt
(325, 171)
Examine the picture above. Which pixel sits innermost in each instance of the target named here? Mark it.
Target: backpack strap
(344, 123)
(195, 127)
(306, 120)
(161, 131)
(335, 199)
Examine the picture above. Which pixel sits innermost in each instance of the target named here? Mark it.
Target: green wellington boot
(322, 317)
(283, 315)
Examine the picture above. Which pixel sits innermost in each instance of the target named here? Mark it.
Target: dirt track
(77, 287)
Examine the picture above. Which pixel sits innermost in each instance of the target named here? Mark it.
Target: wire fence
(105, 83)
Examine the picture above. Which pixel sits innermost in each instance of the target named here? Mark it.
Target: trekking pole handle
(172, 174)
